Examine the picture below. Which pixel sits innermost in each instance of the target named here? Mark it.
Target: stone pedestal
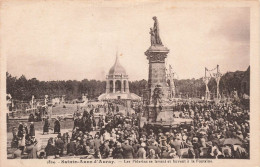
(152, 112)
(156, 55)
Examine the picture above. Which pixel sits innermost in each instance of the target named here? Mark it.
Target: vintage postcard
(129, 83)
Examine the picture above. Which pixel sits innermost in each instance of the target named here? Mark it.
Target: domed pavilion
(117, 86)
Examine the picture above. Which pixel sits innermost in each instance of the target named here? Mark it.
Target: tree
(23, 89)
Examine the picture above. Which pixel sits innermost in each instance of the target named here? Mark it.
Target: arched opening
(124, 85)
(110, 86)
(118, 86)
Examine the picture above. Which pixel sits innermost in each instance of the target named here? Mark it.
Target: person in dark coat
(37, 116)
(91, 113)
(79, 148)
(65, 139)
(85, 113)
(118, 152)
(46, 126)
(177, 145)
(31, 148)
(88, 124)
(165, 152)
(59, 144)
(32, 130)
(128, 151)
(20, 130)
(113, 108)
(100, 122)
(31, 118)
(94, 123)
(14, 143)
(104, 149)
(50, 149)
(57, 126)
(71, 147)
(155, 148)
(97, 144)
(76, 123)
(26, 132)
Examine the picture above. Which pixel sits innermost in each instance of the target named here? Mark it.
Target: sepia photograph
(120, 82)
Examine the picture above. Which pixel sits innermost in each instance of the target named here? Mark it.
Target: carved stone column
(122, 86)
(107, 86)
(114, 86)
(126, 87)
(157, 73)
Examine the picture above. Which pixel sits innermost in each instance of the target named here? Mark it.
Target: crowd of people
(24, 140)
(217, 131)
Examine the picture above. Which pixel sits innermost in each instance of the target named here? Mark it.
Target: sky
(75, 40)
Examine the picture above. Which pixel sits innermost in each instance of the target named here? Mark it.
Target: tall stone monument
(156, 55)
(158, 90)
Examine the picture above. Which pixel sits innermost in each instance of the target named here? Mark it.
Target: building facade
(117, 79)
(117, 86)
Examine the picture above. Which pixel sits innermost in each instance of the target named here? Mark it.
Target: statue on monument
(157, 95)
(153, 40)
(155, 37)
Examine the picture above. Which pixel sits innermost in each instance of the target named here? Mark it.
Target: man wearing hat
(79, 147)
(191, 153)
(128, 151)
(97, 143)
(71, 147)
(50, 149)
(141, 153)
(165, 152)
(59, 145)
(239, 135)
(177, 143)
(154, 147)
(118, 151)
(105, 149)
(162, 141)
